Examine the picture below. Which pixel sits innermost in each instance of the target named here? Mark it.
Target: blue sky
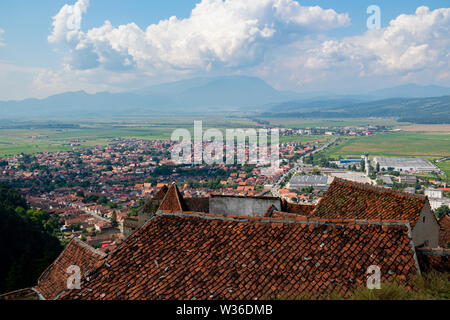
(325, 51)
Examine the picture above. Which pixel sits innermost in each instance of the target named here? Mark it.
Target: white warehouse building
(410, 165)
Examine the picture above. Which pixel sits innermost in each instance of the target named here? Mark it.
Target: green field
(306, 138)
(445, 166)
(90, 133)
(431, 146)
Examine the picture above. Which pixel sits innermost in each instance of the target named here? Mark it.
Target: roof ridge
(160, 193)
(378, 188)
(434, 251)
(299, 219)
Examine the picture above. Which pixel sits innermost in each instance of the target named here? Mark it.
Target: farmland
(402, 144)
(445, 166)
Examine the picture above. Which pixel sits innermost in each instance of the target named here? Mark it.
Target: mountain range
(239, 94)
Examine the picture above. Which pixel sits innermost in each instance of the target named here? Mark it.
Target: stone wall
(426, 230)
(241, 206)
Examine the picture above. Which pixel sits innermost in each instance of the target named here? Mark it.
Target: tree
(102, 200)
(114, 222)
(441, 211)
(91, 198)
(378, 167)
(363, 165)
(27, 241)
(80, 194)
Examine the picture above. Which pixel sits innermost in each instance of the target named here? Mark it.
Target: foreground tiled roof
(434, 259)
(350, 200)
(54, 279)
(198, 256)
(22, 294)
(444, 233)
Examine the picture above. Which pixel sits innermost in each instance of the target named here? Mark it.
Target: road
(298, 165)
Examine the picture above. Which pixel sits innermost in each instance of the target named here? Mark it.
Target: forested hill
(417, 110)
(28, 242)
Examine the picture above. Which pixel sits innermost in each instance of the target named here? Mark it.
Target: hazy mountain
(411, 91)
(216, 94)
(195, 95)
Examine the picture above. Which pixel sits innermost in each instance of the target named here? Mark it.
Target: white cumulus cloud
(217, 34)
(411, 44)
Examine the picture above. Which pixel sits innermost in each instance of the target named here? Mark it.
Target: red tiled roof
(444, 233)
(352, 200)
(54, 279)
(434, 259)
(22, 294)
(203, 256)
(300, 209)
(172, 200)
(161, 193)
(269, 211)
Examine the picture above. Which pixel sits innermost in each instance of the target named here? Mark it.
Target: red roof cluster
(205, 256)
(351, 200)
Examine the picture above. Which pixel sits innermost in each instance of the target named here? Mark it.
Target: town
(93, 191)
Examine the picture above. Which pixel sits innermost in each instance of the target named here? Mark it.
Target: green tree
(114, 222)
(441, 211)
(102, 200)
(27, 241)
(80, 194)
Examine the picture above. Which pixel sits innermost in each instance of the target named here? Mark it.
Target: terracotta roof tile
(22, 294)
(172, 200)
(300, 209)
(194, 256)
(351, 200)
(161, 193)
(444, 233)
(434, 259)
(54, 279)
(270, 210)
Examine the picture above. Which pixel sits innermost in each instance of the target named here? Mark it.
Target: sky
(51, 46)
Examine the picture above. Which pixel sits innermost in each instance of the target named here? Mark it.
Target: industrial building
(409, 165)
(317, 182)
